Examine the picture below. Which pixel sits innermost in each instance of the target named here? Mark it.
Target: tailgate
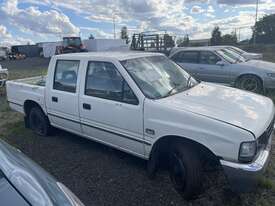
(19, 91)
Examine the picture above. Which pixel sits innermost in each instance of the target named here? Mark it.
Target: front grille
(264, 138)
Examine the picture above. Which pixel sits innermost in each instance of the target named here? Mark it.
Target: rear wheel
(185, 170)
(250, 83)
(39, 122)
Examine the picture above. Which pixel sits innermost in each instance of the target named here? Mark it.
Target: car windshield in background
(236, 49)
(157, 76)
(234, 55)
(230, 56)
(224, 54)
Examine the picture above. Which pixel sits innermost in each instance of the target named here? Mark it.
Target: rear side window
(207, 57)
(186, 57)
(104, 81)
(65, 77)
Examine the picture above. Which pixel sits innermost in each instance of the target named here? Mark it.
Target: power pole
(256, 18)
(114, 23)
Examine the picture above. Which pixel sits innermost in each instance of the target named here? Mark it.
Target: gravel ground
(99, 175)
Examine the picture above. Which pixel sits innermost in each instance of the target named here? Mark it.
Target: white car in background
(243, 53)
(3, 76)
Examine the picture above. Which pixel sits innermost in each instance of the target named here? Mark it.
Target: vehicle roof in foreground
(30, 180)
(118, 55)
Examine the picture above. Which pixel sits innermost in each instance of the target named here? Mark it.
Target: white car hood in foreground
(236, 107)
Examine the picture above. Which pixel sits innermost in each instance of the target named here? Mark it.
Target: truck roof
(118, 55)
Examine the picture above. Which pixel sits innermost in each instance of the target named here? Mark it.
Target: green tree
(180, 41)
(229, 39)
(216, 38)
(124, 34)
(183, 42)
(264, 30)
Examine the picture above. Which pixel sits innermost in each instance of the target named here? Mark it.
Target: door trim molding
(102, 129)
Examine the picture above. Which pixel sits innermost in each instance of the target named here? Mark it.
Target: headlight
(271, 75)
(247, 151)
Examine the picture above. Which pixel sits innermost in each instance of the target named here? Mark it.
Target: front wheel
(39, 122)
(250, 83)
(185, 170)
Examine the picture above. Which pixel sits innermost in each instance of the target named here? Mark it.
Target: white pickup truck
(146, 105)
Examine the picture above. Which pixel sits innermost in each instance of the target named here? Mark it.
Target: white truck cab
(146, 105)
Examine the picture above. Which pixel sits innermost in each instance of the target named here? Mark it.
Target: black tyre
(39, 122)
(250, 83)
(185, 171)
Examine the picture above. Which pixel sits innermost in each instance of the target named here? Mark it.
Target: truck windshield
(236, 49)
(71, 41)
(157, 76)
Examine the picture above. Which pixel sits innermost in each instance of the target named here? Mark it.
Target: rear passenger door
(109, 109)
(188, 60)
(62, 95)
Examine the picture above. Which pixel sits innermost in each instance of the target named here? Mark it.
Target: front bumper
(244, 177)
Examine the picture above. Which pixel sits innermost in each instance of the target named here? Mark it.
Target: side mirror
(220, 63)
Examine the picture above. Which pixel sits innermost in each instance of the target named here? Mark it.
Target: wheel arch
(249, 74)
(163, 145)
(29, 104)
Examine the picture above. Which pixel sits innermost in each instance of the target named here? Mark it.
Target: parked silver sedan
(220, 65)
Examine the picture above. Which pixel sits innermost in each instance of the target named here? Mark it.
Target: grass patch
(266, 183)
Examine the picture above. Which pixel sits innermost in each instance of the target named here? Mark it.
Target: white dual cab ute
(146, 105)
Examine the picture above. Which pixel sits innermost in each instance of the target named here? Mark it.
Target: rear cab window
(65, 76)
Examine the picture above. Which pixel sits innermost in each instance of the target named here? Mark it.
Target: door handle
(54, 99)
(86, 106)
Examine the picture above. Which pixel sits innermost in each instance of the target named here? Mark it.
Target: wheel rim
(249, 84)
(37, 124)
(178, 172)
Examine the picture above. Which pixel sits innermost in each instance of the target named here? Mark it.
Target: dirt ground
(99, 175)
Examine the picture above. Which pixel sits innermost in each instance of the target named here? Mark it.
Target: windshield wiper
(177, 86)
(171, 90)
(188, 81)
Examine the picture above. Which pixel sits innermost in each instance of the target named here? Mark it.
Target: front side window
(207, 57)
(104, 81)
(186, 57)
(158, 76)
(65, 77)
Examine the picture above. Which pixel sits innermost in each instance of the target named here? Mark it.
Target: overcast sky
(34, 21)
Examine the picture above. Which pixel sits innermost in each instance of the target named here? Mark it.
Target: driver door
(210, 71)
